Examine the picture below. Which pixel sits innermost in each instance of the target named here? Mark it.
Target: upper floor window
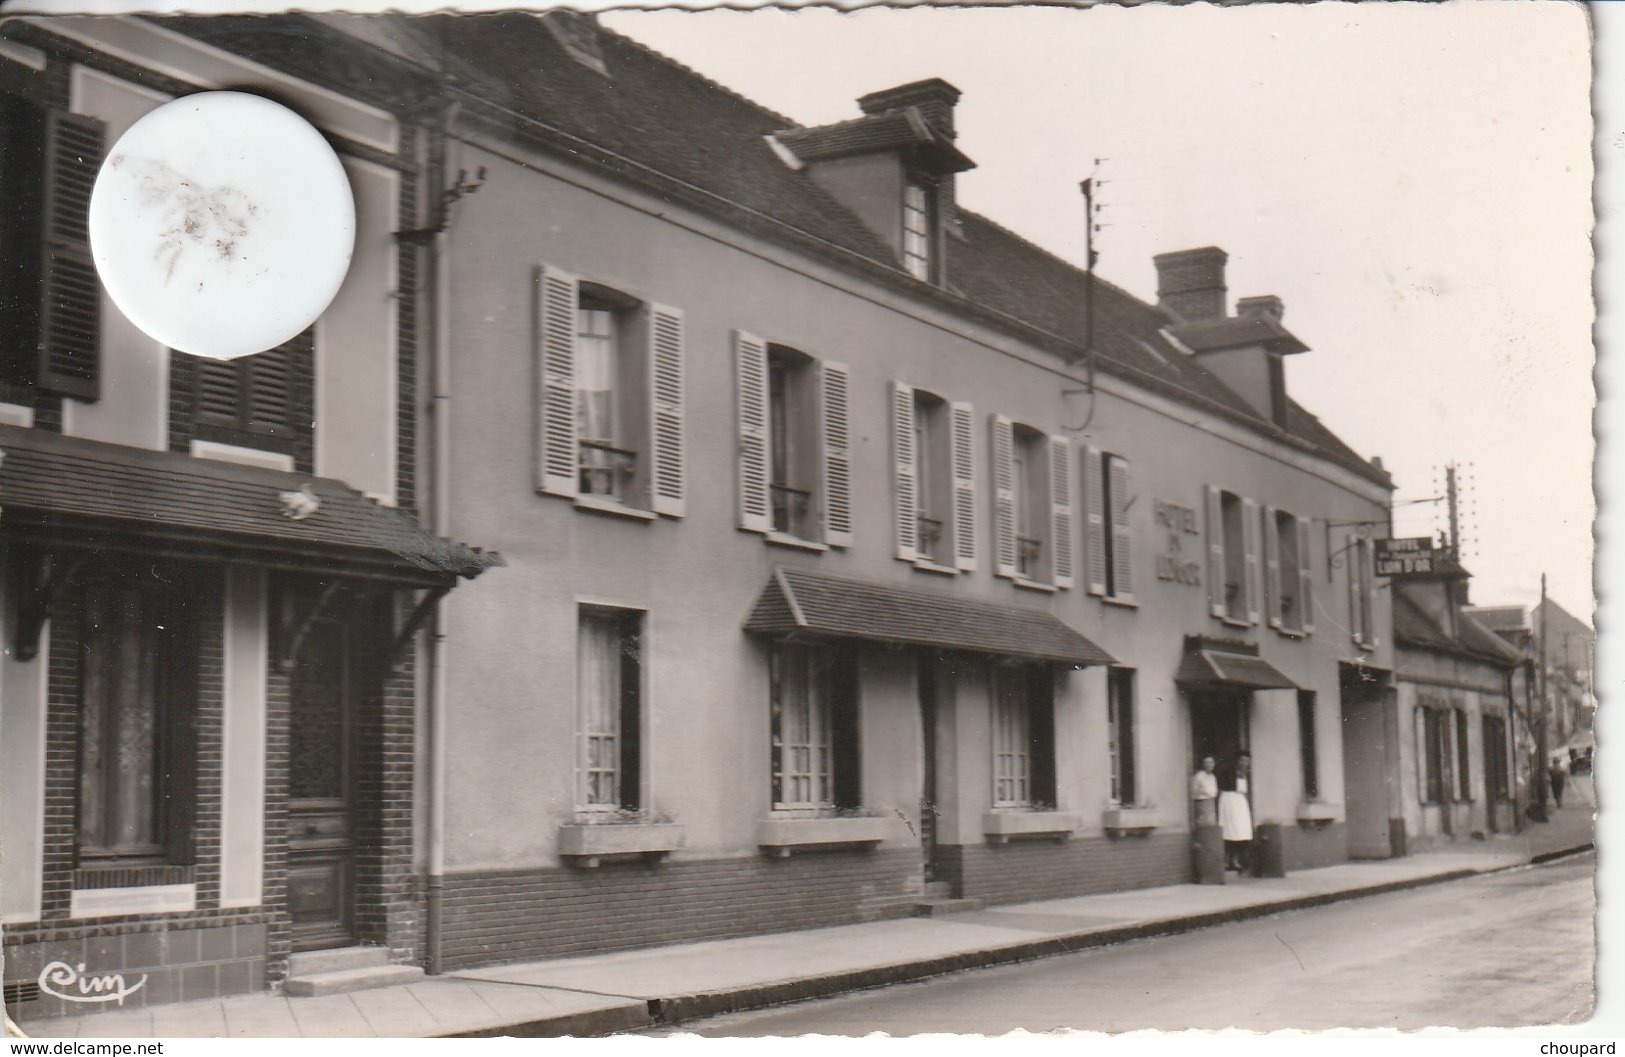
(1232, 537)
(1288, 573)
(1032, 516)
(609, 696)
(264, 401)
(50, 298)
(934, 483)
(1023, 698)
(917, 225)
(795, 464)
(1108, 496)
(610, 399)
(814, 726)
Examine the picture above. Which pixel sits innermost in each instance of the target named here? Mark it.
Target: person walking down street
(1204, 793)
(1559, 777)
(1236, 814)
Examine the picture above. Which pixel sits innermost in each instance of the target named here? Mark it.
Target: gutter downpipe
(436, 266)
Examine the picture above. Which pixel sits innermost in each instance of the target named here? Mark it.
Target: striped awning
(1237, 665)
(797, 601)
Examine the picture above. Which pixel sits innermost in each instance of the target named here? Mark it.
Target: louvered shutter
(962, 425)
(70, 295)
(1249, 537)
(1060, 494)
(1004, 497)
(1357, 628)
(837, 438)
(1122, 537)
(558, 450)
(1215, 550)
(1272, 568)
(668, 480)
(1306, 576)
(1368, 580)
(905, 462)
(750, 369)
(1094, 520)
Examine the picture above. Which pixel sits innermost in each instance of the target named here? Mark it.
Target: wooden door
(321, 868)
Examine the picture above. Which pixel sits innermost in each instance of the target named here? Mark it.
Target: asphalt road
(1507, 949)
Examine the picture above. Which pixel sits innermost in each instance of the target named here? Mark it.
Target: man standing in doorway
(1205, 793)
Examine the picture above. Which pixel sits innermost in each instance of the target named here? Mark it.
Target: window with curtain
(814, 726)
(1023, 736)
(607, 463)
(608, 698)
(1120, 734)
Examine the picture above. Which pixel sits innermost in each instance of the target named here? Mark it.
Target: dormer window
(917, 247)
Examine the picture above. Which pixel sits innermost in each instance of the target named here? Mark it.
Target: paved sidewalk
(607, 993)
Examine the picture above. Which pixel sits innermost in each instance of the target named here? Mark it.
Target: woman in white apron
(1236, 815)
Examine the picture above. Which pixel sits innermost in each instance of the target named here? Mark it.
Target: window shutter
(1060, 495)
(1094, 520)
(837, 455)
(906, 463)
(1306, 576)
(1272, 568)
(1122, 481)
(1353, 563)
(750, 362)
(963, 435)
(1249, 536)
(558, 451)
(666, 409)
(1368, 583)
(70, 295)
(219, 391)
(1004, 497)
(1215, 550)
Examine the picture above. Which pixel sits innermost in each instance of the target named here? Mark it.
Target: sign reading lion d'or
(1174, 563)
(1412, 556)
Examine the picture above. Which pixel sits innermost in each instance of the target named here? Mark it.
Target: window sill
(1235, 622)
(121, 902)
(1365, 647)
(589, 844)
(782, 836)
(1130, 820)
(784, 539)
(1000, 826)
(1034, 585)
(932, 567)
(595, 505)
(1125, 603)
(16, 415)
(242, 455)
(1291, 633)
(1316, 813)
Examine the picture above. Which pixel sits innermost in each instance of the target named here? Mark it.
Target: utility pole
(1455, 520)
(1537, 803)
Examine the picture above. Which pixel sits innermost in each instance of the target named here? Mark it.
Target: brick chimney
(1190, 284)
(934, 97)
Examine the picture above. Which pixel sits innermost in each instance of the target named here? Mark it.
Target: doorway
(321, 823)
(1219, 726)
(1366, 768)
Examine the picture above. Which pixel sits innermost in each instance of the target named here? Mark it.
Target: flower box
(1316, 812)
(588, 843)
(1000, 826)
(1130, 819)
(781, 836)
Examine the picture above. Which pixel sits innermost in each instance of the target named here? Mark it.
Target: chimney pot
(1266, 307)
(934, 97)
(1190, 283)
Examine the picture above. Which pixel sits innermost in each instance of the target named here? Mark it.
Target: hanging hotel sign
(1412, 556)
(1174, 563)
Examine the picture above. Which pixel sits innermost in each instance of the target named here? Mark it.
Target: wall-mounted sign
(1412, 556)
(1173, 563)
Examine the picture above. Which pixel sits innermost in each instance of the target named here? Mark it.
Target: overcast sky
(1412, 180)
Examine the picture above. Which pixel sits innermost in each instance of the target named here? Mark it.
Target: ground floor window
(814, 726)
(609, 699)
(1023, 736)
(1434, 749)
(1464, 787)
(138, 677)
(1120, 734)
(1308, 744)
(1497, 779)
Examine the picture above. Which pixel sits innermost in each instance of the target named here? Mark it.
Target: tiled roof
(653, 121)
(1414, 627)
(1206, 666)
(1501, 618)
(899, 130)
(796, 600)
(73, 490)
(1205, 335)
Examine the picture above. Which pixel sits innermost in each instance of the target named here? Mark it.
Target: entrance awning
(1210, 662)
(799, 601)
(69, 493)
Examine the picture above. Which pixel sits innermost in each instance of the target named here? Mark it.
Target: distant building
(1568, 656)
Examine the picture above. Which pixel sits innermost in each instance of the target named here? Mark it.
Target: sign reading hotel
(1174, 563)
(1412, 556)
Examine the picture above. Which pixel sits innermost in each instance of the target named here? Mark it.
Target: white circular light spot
(222, 224)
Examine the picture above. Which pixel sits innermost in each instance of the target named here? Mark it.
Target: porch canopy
(70, 494)
(1228, 663)
(796, 600)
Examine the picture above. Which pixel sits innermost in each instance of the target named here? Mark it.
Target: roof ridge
(692, 72)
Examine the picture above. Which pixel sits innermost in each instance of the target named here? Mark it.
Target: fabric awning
(67, 492)
(796, 600)
(1238, 665)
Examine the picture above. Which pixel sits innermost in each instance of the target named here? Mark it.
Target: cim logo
(69, 983)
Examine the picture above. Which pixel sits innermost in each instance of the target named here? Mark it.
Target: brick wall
(1309, 847)
(510, 916)
(1025, 870)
